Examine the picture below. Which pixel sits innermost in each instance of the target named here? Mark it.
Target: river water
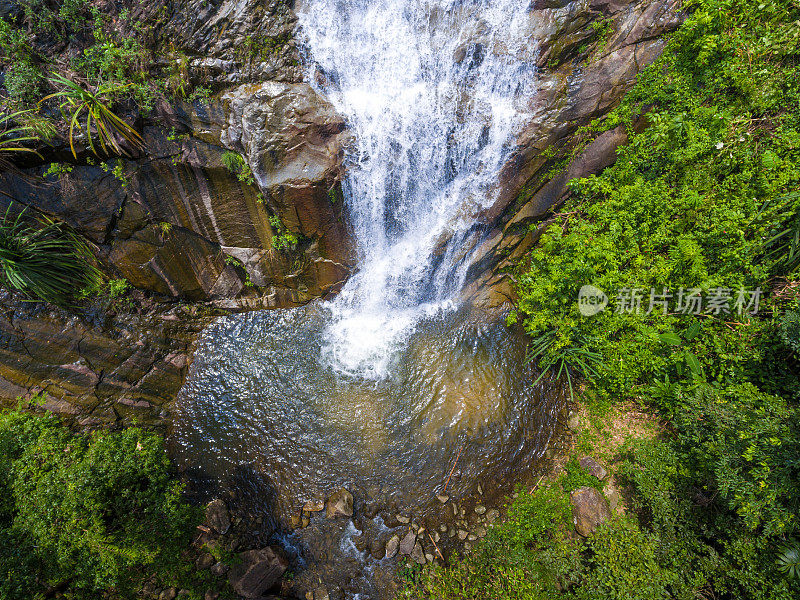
(382, 388)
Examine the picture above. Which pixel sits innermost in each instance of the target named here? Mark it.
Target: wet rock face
(293, 142)
(177, 222)
(590, 52)
(95, 369)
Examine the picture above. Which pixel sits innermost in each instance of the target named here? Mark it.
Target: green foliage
(23, 81)
(529, 556)
(44, 261)
(624, 564)
(782, 249)
(117, 169)
(58, 170)
(282, 239)
(101, 121)
(532, 516)
(789, 560)
(115, 288)
(789, 328)
(262, 47)
(703, 198)
(14, 43)
(68, 15)
(563, 360)
(577, 477)
(14, 138)
(237, 165)
(92, 513)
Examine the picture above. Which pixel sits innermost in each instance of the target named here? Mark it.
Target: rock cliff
(180, 226)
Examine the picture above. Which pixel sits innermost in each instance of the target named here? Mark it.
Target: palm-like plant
(789, 561)
(13, 137)
(570, 360)
(45, 261)
(92, 108)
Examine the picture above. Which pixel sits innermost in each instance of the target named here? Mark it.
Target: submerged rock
(589, 509)
(217, 516)
(315, 505)
(340, 504)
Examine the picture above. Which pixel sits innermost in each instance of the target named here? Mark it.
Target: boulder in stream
(407, 543)
(340, 504)
(392, 546)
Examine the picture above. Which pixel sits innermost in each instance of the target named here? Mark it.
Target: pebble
(480, 509)
(436, 536)
(462, 535)
(480, 489)
(472, 537)
(429, 558)
(492, 515)
(480, 532)
(443, 498)
(443, 528)
(403, 519)
(452, 532)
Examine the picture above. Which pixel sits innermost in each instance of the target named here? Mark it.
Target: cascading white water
(434, 91)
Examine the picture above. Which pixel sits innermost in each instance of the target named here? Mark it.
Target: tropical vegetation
(703, 204)
(86, 515)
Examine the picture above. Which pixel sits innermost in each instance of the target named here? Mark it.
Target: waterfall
(434, 92)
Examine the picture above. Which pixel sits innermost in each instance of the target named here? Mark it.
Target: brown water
(260, 399)
(259, 396)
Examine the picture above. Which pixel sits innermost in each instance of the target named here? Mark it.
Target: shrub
(623, 565)
(87, 512)
(23, 81)
(93, 107)
(790, 330)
